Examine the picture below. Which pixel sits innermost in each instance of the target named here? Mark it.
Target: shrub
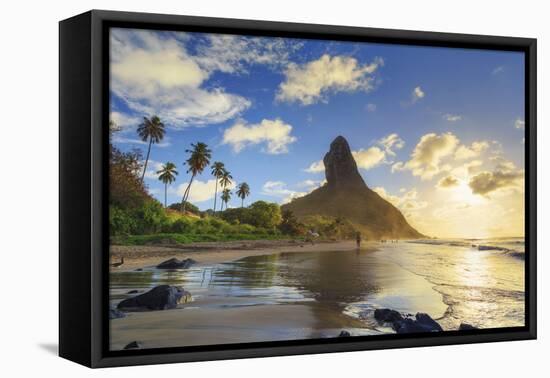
(216, 224)
(235, 216)
(188, 207)
(289, 224)
(150, 218)
(264, 214)
(120, 222)
(181, 226)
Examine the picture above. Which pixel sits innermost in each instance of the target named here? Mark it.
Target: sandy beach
(192, 325)
(282, 290)
(216, 252)
(231, 320)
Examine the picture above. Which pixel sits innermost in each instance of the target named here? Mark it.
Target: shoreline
(220, 252)
(233, 312)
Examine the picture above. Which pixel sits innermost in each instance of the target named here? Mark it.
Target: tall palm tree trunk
(242, 202)
(215, 195)
(186, 194)
(165, 193)
(147, 159)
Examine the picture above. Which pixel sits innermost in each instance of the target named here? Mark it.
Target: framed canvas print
(234, 188)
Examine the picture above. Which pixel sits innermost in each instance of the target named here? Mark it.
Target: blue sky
(431, 128)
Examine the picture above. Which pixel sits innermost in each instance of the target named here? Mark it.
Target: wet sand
(191, 325)
(202, 323)
(283, 290)
(218, 252)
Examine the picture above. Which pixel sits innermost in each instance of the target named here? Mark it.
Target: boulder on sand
(174, 263)
(387, 315)
(133, 345)
(405, 324)
(344, 333)
(421, 323)
(163, 297)
(466, 327)
(116, 314)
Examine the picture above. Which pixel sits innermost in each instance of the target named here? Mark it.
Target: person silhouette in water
(358, 239)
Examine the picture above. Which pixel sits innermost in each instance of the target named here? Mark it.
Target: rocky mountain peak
(340, 167)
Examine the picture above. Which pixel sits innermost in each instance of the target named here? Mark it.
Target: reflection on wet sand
(284, 296)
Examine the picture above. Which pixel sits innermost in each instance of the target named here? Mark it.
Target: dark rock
(133, 345)
(174, 263)
(406, 324)
(387, 315)
(421, 323)
(139, 270)
(163, 297)
(116, 314)
(340, 166)
(466, 327)
(133, 292)
(344, 333)
(426, 321)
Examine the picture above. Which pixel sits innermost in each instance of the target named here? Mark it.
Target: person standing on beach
(358, 239)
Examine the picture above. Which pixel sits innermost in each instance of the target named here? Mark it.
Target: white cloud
(280, 189)
(310, 184)
(371, 107)
(391, 142)
(124, 121)
(122, 139)
(152, 168)
(448, 182)
(398, 167)
(232, 54)
(487, 182)
(316, 167)
(369, 158)
(452, 117)
(427, 155)
(519, 124)
(408, 202)
(276, 135)
(497, 70)
(417, 94)
(504, 176)
(464, 171)
(464, 152)
(313, 81)
(154, 74)
(200, 190)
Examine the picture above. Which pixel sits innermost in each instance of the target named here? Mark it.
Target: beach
(219, 252)
(284, 290)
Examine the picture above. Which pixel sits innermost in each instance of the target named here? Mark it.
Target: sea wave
(513, 247)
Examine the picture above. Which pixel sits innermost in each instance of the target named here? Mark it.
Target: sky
(438, 132)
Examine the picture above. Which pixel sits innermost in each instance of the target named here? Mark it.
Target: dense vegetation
(136, 218)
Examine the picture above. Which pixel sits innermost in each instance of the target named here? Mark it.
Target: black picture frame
(83, 232)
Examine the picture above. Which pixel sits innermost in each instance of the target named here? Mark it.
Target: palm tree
(167, 175)
(243, 191)
(199, 159)
(217, 171)
(225, 181)
(151, 129)
(226, 196)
